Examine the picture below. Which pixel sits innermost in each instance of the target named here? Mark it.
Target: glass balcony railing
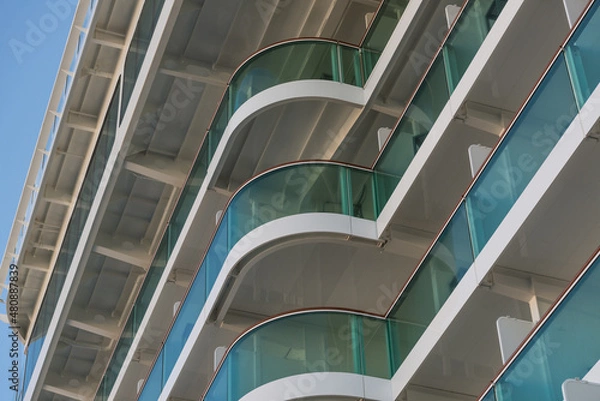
(564, 347)
(381, 30)
(285, 191)
(525, 146)
(555, 352)
(257, 75)
(448, 67)
(285, 62)
(139, 46)
(72, 236)
(303, 343)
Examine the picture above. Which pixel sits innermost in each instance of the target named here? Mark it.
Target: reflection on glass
(312, 342)
(287, 191)
(438, 275)
(138, 48)
(445, 72)
(562, 349)
(380, 32)
(532, 137)
(583, 57)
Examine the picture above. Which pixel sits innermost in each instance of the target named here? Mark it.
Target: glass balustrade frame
(353, 195)
(340, 345)
(544, 359)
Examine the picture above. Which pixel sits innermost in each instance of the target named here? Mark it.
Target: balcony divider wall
(562, 348)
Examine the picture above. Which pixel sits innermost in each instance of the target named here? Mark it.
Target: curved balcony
(382, 182)
(307, 187)
(302, 59)
(561, 348)
(308, 342)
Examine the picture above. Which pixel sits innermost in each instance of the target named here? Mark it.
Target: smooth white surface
(511, 333)
(309, 223)
(322, 384)
(594, 374)
(573, 9)
(477, 155)
(577, 390)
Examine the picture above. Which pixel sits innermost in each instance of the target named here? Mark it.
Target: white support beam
(485, 118)
(371, 3)
(109, 39)
(37, 266)
(392, 109)
(55, 196)
(98, 323)
(125, 250)
(181, 277)
(145, 356)
(159, 168)
(72, 388)
(95, 72)
(46, 247)
(82, 121)
(194, 70)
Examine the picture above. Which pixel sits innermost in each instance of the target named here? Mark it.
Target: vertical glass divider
(356, 337)
(572, 59)
(335, 65)
(345, 192)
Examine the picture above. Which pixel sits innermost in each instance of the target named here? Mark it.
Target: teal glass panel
(349, 61)
(380, 32)
(489, 396)
(219, 387)
(190, 191)
(292, 62)
(219, 123)
(583, 55)
(564, 348)
(138, 47)
(217, 253)
(385, 184)
(468, 35)
(532, 137)
(150, 282)
(363, 194)
(376, 348)
(416, 123)
(155, 382)
(304, 188)
(307, 343)
(439, 274)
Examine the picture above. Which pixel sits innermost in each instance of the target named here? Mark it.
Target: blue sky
(32, 38)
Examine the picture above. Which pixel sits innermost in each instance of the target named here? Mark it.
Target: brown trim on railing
(218, 225)
(414, 93)
(280, 316)
(538, 326)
